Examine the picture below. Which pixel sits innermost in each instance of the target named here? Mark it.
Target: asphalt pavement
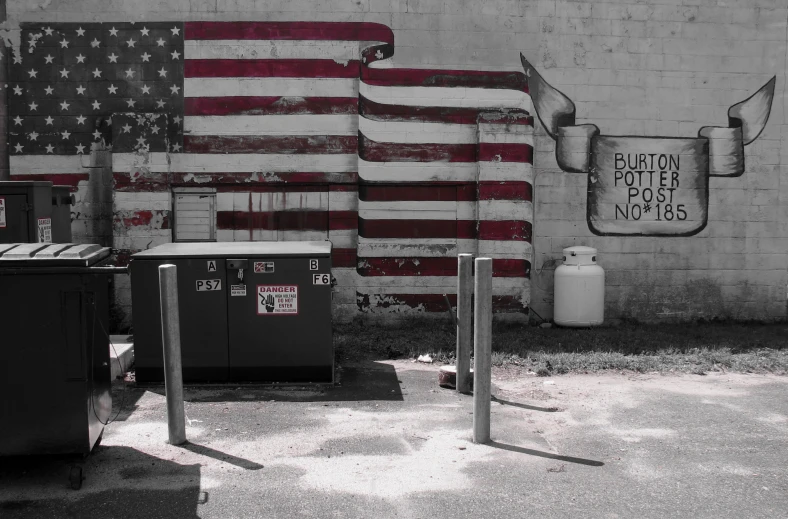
(388, 442)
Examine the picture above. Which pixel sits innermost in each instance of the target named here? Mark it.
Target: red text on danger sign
(277, 299)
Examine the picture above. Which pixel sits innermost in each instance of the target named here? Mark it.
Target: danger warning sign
(277, 299)
(45, 230)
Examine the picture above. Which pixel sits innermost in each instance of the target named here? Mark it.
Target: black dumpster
(249, 311)
(54, 353)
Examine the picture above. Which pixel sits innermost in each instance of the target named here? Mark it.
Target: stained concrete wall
(665, 68)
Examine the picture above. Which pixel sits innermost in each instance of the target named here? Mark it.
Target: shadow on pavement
(125, 396)
(120, 482)
(221, 456)
(542, 454)
(524, 406)
(360, 382)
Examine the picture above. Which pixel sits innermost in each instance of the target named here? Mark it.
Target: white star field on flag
(72, 78)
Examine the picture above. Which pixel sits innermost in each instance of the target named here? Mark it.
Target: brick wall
(665, 68)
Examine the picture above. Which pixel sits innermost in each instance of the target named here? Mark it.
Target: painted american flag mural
(305, 131)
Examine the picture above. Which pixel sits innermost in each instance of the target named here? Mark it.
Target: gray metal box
(62, 200)
(26, 212)
(272, 323)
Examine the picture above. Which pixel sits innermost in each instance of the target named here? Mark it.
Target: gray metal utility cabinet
(35, 212)
(249, 311)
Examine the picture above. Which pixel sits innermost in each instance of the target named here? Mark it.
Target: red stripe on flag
(235, 182)
(511, 268)
(407, 228)
(505, 190)
(255, 105)
(427, 266)
(428, 114)
(417, 192)
(490, 152)
(71, 180)
(245, 179)
(159, 182)
(438, 114)
(142, 217)
(516, 117)
(343, 258)
(151, 182)
(373, 151)
(342, 31)
(301, 144)
(444, 78)
(342, 220)
(509, 304)
(273, 220)
(512, 230)
(424, 302)
(291, 68)
(506, 230)
(343, 187)
(434, 302)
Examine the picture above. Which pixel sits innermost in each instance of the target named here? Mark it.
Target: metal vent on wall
(194, 211)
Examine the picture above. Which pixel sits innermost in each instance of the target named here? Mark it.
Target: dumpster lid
(224, 249)
(24, 183)
(51, 254)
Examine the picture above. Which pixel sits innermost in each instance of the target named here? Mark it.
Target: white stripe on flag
(343, 200)
(271, 235)
(271, 125)
(273, 201)
(413, 247)
(505, 171)
(269, 87)
(52, 164)
(254, 162)
(343, 238)
(407, 210)
(417, 132)
(441, 248)
(505, 249)
(490, 210)
(234, 162)
(271, 49)
(508, 138)
(446, 96)
(502, 286)
(498, 210)
(417, 171)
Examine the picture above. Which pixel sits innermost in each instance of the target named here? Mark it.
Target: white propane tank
(579, 290)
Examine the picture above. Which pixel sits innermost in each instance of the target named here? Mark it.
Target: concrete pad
(390, 443)
(121, 354)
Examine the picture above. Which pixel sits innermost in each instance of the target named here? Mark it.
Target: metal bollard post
(482, 350)
(171, 339)
(464, 316)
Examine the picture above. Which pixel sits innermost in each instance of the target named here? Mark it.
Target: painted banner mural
(303, 130)
(648, 186)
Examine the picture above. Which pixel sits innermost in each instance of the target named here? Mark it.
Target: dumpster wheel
(75, 477)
